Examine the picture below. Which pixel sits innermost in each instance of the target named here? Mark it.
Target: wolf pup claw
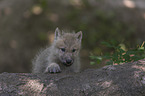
(62, 55)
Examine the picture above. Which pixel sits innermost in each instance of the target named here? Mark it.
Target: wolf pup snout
(69, 62)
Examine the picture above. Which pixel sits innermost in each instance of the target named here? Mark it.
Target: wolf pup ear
(79, 36)
(57, 33)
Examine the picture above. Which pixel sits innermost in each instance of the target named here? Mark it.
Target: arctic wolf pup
(62, 55)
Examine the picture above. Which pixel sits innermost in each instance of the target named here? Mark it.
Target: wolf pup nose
(62, 55)
(69, 62)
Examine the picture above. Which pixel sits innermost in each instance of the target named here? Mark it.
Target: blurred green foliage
(42, 3)
(97, 23)
(119, 54)
(32, 24)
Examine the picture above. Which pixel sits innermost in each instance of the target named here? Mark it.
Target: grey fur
(52, 58)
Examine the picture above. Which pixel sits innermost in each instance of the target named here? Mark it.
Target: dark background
(28, 25)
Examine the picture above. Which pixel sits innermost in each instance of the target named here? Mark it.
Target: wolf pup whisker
(62, 55)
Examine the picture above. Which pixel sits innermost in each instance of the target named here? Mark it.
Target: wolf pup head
(68, 46)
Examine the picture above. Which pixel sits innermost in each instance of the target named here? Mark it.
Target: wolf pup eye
(62, 49)
(74, 50)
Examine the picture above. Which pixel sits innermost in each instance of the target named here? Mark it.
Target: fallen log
(114, 80)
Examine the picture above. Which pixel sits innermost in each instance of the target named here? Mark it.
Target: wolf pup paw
(53, 68)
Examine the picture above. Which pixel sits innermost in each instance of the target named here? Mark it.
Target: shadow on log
(113, 80)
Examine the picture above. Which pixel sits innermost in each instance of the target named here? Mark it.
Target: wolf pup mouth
(68, 62)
